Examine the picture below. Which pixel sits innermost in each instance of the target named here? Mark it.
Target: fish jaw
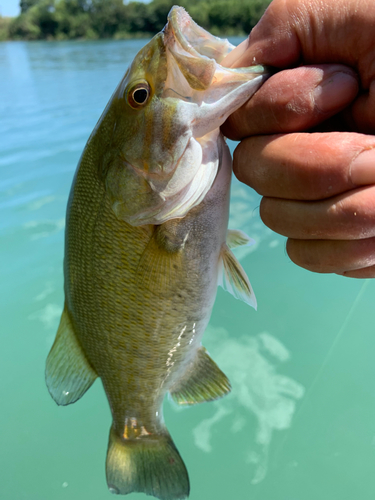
(195, 39)
(163, 154)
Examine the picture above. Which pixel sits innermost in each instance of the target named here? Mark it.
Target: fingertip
(308, 255)
(247, 163)
(237, 169)
(233, 128)
(231, 59)
(267, 213)
(296, 254)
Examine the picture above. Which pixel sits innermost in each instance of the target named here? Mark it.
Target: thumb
(296, 32)
(310, 32)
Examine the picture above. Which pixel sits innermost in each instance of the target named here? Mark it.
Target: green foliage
(4, 28)
(72, 19)
(23, 27)
(37, 22)
(26, 4)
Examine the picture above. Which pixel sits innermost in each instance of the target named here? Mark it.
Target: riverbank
(112, 19)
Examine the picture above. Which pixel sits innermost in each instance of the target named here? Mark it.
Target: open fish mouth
(194, 73)
(194, 50)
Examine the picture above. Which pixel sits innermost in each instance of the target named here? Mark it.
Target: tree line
(93, 19)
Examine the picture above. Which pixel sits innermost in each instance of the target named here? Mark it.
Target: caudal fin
(151, 465)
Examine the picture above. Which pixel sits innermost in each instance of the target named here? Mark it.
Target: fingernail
(335, 91)
(362, 169)
(230, 60)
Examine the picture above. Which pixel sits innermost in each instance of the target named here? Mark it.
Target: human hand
(318, 187)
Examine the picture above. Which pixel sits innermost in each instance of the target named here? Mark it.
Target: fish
(146, 245)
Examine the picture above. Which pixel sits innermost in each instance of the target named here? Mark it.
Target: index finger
(294, 100)
(301, 32)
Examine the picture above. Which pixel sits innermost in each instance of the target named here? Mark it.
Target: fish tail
(150, 464)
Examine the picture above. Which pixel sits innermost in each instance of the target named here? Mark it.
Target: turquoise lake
(300, 421)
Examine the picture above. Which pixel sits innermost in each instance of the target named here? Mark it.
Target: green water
(300, 421)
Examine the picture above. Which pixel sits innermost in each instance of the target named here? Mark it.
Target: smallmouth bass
(146, 246)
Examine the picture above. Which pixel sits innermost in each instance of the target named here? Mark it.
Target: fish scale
(113, 287)
(146, 245)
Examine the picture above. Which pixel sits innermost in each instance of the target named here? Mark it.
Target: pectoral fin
(162, 257)
(68, 373)
(204, 381)
(233, 278)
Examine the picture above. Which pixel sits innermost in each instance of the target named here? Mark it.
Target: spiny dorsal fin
(150, 465)
(68, 373)
(204, 381)
(233, 278)
(237, 238)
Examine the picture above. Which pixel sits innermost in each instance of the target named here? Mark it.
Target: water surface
(300, 422)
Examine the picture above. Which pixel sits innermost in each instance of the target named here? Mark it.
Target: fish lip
(178, 28)
(178, 19)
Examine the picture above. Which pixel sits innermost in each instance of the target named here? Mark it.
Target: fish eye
(138, 95)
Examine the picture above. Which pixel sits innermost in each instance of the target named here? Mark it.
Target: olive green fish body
(138, 336)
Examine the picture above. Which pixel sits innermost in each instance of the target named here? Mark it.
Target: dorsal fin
(233, 278)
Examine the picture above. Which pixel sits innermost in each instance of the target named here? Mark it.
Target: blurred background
(300, 421)
(93, 19)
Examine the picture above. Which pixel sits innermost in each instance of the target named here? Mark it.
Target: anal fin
(68, 373)
(204, 381)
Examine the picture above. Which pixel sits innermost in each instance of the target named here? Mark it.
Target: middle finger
(304, 166)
